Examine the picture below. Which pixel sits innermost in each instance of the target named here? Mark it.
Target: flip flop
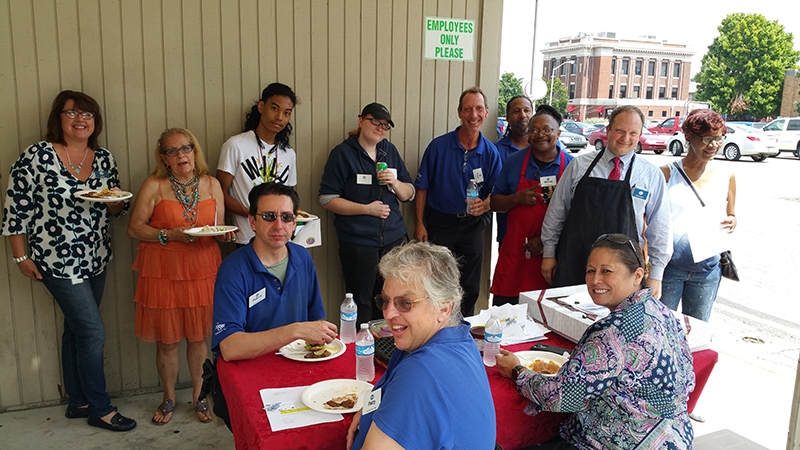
(165, 408)
(202, 407)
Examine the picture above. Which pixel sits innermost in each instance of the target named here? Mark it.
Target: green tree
(560, 98)
(509, 88)
(743, 70)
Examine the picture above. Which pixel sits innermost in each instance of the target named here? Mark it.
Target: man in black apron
(610, 191)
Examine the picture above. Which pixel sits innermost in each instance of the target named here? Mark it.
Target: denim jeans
(696, 290)
(82, 342)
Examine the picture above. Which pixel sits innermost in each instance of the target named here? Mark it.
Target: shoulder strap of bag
(691, 185)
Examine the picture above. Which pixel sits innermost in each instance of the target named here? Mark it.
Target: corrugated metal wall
(154, 64)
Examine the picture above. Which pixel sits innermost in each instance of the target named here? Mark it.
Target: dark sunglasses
(620, 239)
(401, 304)
(188, 148)
(272, 217)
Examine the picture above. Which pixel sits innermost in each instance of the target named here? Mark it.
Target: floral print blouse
(627, 381)
(68, 237)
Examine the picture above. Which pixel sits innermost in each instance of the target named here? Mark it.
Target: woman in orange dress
(175, 293)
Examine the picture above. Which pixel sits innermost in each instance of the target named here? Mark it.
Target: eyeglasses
(378, 123)
(272, 217)
(544, 131)
(188, 148)
(401, 304)
(620, 239)
(72, 114)
(707, 140)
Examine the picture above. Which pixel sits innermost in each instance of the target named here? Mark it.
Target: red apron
(514, 273)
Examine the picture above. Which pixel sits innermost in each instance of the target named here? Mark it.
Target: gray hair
(430, 267)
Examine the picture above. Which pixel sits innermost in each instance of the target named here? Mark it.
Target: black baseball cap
(378, 111)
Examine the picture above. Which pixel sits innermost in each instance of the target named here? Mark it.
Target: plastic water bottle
(472, 194)
(493, 336)
(365, 355)
(347, 319)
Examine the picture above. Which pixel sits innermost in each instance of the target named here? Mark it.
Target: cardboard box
(308, 234)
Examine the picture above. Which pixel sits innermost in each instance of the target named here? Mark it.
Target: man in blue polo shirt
(441, 213)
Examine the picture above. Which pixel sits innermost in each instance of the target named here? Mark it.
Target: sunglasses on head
(620, 239)
(401, 304)
(272, 217)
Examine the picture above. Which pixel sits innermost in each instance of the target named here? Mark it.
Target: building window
(649, 113)
(651, 68)
(676, 69)
(625, 63)
(664, 68)
(636, 92)
(611, 91)
(674, 92)
(649, 92)
(572, 66)
(663, 114)
(563, 67)
(638, 68)
(677, 112)
(662, 91)
(552, 66)
(623, 90)
(613, 65)
(572, 90)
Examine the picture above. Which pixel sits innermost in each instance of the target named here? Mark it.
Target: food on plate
(345, 402)
(105, 193)
(213, 229)
(302, 214)
(544, 367)
(318, 350)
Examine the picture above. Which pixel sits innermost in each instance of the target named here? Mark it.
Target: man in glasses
(442, 215)
(267, 294)
(610, 191)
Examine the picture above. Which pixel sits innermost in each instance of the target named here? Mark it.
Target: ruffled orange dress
(175, 293)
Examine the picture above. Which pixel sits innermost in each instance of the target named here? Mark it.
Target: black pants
(557, 443)
(498, 300)
(464, 237)
(361, 277)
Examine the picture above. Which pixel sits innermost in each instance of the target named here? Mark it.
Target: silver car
(740, 140)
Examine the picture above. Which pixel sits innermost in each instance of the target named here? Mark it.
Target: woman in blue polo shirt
(366, 203)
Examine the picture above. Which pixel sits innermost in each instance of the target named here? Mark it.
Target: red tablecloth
(242, 381)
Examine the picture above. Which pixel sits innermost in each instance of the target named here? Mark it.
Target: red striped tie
(615, 172)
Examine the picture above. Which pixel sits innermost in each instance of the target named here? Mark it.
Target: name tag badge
(101, 174)
(640, 193)
(363, 178)
(548, 181)
(477, 174)
(257, 297)
(373, 401)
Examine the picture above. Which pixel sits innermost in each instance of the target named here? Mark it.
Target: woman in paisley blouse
(69, 243)
(630, 375)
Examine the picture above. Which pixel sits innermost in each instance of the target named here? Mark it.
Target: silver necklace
(69, 160)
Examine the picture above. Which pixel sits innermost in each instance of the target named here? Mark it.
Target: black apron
(599, 206)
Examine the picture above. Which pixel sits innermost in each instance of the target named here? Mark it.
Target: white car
(741, 140)
(787, 131)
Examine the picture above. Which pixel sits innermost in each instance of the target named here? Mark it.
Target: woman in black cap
(364, 182)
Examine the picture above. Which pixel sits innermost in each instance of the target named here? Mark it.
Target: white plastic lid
(364, 326)
(348, 295)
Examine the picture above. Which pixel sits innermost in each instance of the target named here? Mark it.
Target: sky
(690, 22)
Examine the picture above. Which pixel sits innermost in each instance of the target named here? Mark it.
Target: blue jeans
(82, 342)
(697, 290)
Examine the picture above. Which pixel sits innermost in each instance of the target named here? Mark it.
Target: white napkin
(517, 326)
(582, 301)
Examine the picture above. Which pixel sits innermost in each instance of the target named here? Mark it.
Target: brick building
(791, 93)
(607, 71)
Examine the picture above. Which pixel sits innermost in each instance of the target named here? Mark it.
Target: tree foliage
(509, 88)
(744, 67)
(560, 98)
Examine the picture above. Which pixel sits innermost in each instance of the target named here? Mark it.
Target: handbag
(726, 264)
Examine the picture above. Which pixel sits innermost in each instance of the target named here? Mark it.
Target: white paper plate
(317, 394)
(529, 356)
(120, 195)
(292, 351)
(307, 219)
(218, 231)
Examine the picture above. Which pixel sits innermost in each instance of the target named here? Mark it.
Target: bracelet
(20, 259)
(162, 236)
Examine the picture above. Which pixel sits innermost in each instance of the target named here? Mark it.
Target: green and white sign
(452, 39)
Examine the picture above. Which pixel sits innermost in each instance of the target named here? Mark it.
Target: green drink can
(378, 167)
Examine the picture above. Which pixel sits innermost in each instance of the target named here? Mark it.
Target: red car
(669, 126)
(647, 141)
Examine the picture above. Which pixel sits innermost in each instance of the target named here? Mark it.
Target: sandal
(165, 409)
(202, 407)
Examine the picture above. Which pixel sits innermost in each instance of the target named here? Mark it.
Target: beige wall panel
(267, 48)
(213, 108)
(368, 43)
(69, 50)
(231, 73)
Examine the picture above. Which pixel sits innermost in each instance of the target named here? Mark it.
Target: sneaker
(118, 423)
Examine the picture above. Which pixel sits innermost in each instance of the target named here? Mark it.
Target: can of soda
(378, 168)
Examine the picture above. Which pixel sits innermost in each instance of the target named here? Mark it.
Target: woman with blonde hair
(175, 292)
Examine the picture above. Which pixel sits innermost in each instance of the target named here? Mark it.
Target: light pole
(552, 77)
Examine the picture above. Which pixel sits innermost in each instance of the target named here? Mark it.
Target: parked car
(577, 127)
(787, 131)
(669, 126)
(501, 127)
(647, 141)
(573, 141)
(741, 140)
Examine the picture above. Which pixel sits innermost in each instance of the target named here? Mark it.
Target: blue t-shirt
(247, 298)
(446, 169)
(436, 397)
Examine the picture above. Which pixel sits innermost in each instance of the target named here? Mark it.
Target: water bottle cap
(348, 295)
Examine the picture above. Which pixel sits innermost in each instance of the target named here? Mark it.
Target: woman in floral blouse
(630, 375)
(69, 243)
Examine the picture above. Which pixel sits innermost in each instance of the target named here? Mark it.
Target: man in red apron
(523, 189)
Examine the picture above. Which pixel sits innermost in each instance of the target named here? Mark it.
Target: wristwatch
(20, 259)
(516, 371)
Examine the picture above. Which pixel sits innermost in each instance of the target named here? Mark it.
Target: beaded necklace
(69, 160)
(188, 200)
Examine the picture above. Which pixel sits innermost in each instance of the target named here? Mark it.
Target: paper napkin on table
(517, 326)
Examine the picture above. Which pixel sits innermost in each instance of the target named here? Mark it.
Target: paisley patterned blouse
(68, 237)
(627, 382)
